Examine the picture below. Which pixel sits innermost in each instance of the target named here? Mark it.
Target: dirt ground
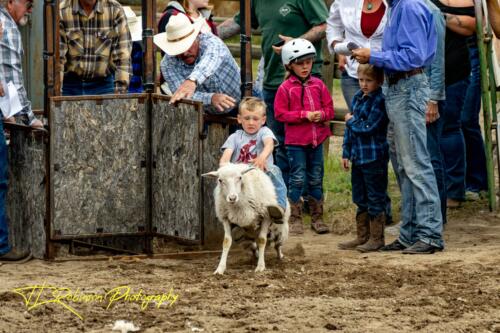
(317, 288)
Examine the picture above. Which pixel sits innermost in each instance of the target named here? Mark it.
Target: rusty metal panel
(215, 134)
(98, 183)
(176, 183)
(26, 193)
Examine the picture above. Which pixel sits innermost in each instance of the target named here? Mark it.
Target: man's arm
(228, 28)
(494, 16)
(314, 34)
(461, 24)
(121, 52)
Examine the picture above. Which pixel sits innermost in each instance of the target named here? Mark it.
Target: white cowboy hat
(134, 23)
(180, 34)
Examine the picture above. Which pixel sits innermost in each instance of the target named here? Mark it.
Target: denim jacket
(435, 71)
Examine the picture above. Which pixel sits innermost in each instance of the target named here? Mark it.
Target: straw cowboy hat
(180, 34)
(134, 24)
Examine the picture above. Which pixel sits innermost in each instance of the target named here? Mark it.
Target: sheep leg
(226, 244)
(261, 243)
(277, 246)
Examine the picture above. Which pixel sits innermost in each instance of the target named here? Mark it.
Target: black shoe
(421, 248)
(394, 246)
(15, 255)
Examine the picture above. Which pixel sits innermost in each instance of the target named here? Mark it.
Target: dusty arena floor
(315, 289)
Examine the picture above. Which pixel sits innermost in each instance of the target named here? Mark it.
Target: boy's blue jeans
(279, 185)
(306, 165)
(369, 186)
(4, 178)
(406, 103)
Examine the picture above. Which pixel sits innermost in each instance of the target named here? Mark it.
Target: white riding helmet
(298, 48)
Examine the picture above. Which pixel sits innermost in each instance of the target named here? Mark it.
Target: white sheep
(242, 196)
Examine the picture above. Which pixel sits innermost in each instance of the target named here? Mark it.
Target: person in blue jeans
(460, 23)
(409, 45)
(436, 104)
(365, 145)
(254, 145)
(7, 253)
(475, 158)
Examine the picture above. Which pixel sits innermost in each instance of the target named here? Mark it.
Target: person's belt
(72, 76)
(394, 77)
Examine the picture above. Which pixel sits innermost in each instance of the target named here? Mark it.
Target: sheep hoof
(219, 271)
(260, 269)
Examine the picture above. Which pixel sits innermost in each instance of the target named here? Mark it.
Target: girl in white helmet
(304, 104)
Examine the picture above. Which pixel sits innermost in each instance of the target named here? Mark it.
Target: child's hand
(314, 116)
(345, 164)
(260, 163)
(347, 117)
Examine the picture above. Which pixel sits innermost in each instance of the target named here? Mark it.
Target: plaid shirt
(11, 60)
(215, 71)
(96, 45)
(365, 136)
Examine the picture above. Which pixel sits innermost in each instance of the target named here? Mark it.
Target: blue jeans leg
(4, 178)
(279, 185)
(350, 87)
(306, 166)
(278, 128)
(369, 187)
(434, 131)
(475, 171)
(452, 140)
(406, 105)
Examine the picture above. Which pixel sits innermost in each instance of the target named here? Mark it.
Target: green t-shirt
(290, 18)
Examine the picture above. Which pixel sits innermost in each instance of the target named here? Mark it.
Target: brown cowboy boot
(295, 223)
(362, 232)
(376, 240)
(317, 223)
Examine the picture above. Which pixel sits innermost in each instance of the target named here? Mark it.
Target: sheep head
(230, 180)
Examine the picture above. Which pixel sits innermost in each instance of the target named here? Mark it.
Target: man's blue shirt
(410, 37)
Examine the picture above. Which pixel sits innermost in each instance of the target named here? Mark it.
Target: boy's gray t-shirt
(247, 147)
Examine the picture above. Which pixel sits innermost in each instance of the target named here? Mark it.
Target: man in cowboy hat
(198, 66)
(95, 47)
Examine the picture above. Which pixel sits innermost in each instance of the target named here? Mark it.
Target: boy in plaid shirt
(365, 145)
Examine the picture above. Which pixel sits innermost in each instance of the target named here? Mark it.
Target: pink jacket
(291, 104)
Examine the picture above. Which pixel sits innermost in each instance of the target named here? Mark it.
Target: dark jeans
(306, 166)
(452, 140)
(74, 86)
(475, 171)
(369, 187)
(278, 128)
(434, 131)
(4, 178)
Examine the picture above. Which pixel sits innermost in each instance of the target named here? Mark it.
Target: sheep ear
(211, 174)
(249, 169)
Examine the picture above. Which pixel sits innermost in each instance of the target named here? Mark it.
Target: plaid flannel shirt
(11, 60)
(365, 136)
(215, 71)
(96, 45)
